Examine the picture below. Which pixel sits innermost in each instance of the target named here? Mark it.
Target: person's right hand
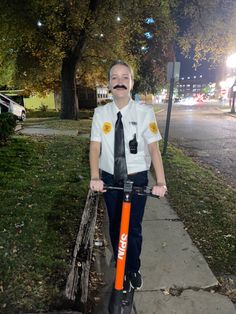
(97, 185)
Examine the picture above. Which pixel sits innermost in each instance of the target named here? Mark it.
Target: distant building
(102, 94)
(191, 86)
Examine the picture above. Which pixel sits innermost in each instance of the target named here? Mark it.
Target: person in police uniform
(141, 136)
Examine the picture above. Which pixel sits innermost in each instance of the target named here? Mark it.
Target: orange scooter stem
(116, 296)
(122, 247)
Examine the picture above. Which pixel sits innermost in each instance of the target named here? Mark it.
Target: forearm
(94, 159)
(157, 163)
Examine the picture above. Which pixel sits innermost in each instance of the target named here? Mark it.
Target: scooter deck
(127, 302)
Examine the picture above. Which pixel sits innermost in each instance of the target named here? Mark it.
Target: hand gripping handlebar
(132, 189)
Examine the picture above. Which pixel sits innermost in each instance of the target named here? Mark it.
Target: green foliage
(210, 29)
(43, 107)
(70, 41)
(7, 72)
(82, 39)
(43, 191)
(206, 205)
(72, 29)
(7, 126)
(41, 114)
(206, 90)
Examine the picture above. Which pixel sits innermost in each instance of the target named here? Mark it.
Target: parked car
(177, 100)
(8, 105)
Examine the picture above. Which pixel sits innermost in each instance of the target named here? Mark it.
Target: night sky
(186, 64)
(187, 69)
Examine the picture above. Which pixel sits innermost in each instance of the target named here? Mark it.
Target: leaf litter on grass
(40, 214)
(207, 206)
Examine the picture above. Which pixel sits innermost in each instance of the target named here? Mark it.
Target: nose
(120, 81)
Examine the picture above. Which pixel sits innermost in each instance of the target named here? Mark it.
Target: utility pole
(234, 94)
(173, 70)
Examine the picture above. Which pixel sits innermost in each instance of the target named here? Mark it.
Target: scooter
(122, 302)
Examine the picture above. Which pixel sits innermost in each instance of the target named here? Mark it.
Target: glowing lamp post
(231, 63)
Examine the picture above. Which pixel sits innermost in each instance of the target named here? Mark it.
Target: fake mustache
(119, 86)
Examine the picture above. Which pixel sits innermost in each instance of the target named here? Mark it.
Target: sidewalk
(177, 279)
(227, 111)
(38, 129)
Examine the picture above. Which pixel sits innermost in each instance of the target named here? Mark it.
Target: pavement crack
(177, 291)
(165, 219)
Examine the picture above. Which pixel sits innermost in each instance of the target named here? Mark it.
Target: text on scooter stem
(122, 245)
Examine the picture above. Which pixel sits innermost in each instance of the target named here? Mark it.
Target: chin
(121, 93)
(121, 96)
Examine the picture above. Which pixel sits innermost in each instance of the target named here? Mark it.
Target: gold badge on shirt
(106, 128)
(153, 127)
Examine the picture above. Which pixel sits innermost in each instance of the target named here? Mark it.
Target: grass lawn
(42, 198)
(207, 206)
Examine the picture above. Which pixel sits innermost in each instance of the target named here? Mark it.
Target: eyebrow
(124, 74)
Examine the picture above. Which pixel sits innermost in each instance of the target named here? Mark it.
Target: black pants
(114, 201)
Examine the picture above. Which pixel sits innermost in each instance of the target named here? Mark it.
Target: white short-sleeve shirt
(137, 119)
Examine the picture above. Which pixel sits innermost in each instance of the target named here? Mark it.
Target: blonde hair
(121, 63)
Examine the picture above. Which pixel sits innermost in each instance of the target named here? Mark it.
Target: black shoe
(136, 280)
(126, 285)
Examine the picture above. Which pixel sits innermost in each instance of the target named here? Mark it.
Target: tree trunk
(69, 99)
(57, 100)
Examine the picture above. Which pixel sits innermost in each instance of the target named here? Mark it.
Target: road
(205, 132)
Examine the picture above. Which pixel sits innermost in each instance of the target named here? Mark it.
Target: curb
(227, 112)
(18, 127)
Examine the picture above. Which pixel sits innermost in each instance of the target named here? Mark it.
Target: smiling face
(121, 83)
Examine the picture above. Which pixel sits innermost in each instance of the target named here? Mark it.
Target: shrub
(42, 114)
(7, 126)
(43, 107)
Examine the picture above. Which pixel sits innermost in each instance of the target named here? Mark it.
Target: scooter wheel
(127, 302)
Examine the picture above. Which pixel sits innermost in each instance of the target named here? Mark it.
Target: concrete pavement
(177, 279)
(38, 129)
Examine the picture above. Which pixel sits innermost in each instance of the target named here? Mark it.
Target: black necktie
(120, 168)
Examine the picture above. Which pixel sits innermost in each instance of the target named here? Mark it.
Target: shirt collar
(124, 109)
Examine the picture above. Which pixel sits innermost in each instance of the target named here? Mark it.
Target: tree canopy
(53, 45)
(208, 29)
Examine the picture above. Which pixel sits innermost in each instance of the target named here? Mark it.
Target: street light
(231, 63)
(39, 23)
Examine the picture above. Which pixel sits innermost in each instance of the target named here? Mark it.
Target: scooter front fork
(115, 304)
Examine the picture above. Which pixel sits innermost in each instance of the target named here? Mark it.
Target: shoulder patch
(153, 127)
(106, 128)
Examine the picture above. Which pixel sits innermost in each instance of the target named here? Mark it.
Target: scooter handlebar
(146, 190)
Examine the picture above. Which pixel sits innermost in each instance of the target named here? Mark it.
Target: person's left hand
(159, 190)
